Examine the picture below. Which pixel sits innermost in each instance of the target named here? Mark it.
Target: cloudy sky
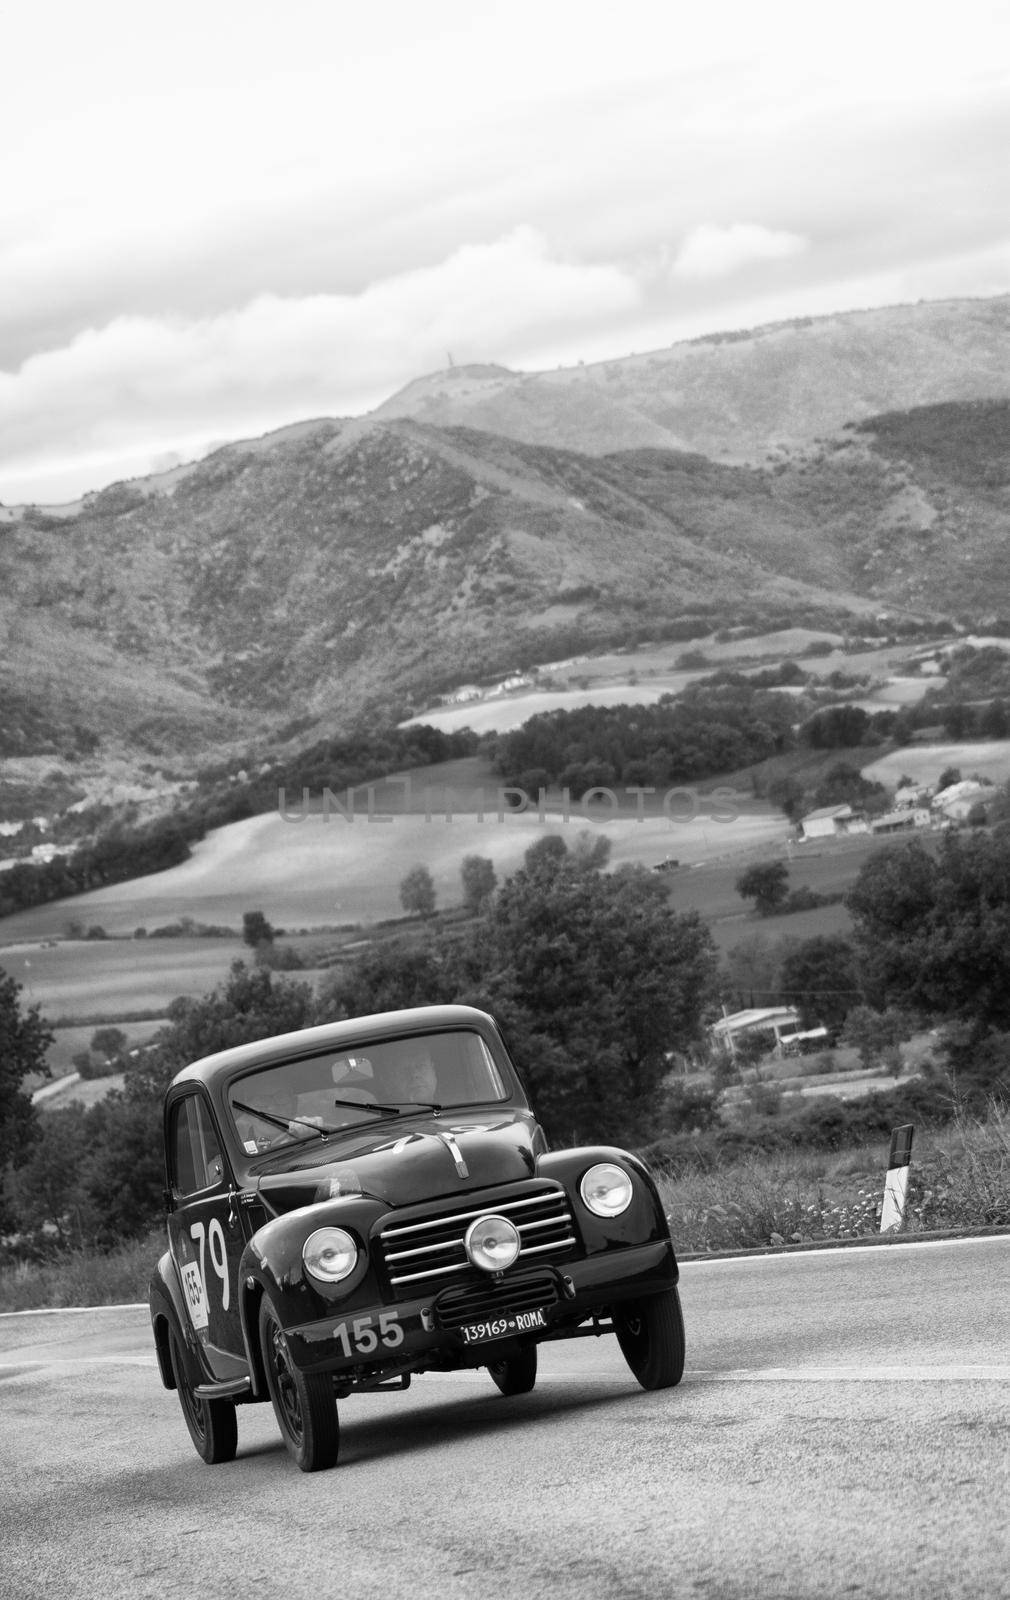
(219, 217)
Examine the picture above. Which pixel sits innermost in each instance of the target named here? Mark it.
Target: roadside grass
(788, 1198)
(960, 1178)
(965, 1180)
(83, 1277)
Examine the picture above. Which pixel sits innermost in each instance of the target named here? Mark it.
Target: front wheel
(304, 1402)
(651, 1336)
(212, 1424)
(517, 1374)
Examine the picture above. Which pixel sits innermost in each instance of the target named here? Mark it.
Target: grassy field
(639, 677)
(324, 870)
(70, 1041)
(924, 763)
(116, 978)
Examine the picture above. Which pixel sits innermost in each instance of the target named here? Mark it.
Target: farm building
(830, 822)
(778, 1022)
(912, 795)
(902, 820)
(956, 801)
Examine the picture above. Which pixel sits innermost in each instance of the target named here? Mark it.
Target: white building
(829, 822)
(955, 802)
(902, 820)
(777, 1020)
(912, 795)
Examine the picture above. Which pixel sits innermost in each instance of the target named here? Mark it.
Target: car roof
(224, 1064)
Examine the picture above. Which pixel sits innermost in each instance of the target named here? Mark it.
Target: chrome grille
(494, 1299)
(427, 1252)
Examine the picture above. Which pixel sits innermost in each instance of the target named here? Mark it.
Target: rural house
(955, 802)
(829, 822)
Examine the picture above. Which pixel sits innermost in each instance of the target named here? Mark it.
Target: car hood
(410, 1160)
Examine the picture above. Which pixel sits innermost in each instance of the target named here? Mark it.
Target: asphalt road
(843, 1429)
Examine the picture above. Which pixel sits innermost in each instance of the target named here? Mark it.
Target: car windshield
(314, 1096)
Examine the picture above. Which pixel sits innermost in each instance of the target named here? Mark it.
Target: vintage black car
(354, 1204)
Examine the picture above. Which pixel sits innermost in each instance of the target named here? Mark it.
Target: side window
(196, 1154)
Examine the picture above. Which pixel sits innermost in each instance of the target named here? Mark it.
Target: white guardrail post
(892, 1212)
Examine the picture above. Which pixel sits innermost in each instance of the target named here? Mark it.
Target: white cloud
(715, 252)
(153, 382)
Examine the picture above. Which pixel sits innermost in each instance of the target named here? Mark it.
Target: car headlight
(330, 1254)
(606, 1190)
(492, 1243)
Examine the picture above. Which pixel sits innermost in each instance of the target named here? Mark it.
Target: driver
(413, 1076)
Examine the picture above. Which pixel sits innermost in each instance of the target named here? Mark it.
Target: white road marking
(845, 1251)
(74, 1311)
(33, 1362)
(952, 1373)
(958, 1372)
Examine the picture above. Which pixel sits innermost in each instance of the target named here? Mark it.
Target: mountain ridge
(345, 568)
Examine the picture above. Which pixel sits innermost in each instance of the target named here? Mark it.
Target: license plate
(501, 1327)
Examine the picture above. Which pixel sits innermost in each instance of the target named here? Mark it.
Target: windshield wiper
(284, 1123)
(369, 1105)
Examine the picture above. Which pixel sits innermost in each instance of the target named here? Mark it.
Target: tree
(876, 1035)
(750, 971)
(256, 930)
(251, 1004)
(119, 1167)
(767, 884)
(386, 977)
(44, 1187)
(948, 777)
(24, 1040)
(820, 978)
(591, 851)
(478, 875)
(595, 980)
(844, 784)
(108, 1043)
(417, 892)
(546, 854)
(836, 726)
(932, 932)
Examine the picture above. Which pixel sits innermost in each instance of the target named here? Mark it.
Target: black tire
(212, 1424)
(651, 1336)
(304, 1402)
(516, 1374)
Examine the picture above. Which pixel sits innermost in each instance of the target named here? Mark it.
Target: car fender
(272, 1264)
(643, 1221)
(168, 1314)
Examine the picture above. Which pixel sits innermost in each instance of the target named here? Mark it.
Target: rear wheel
(516, 1374)
(212, 1424)
(651, 1336)
(304, 1402)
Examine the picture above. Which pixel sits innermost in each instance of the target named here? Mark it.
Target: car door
(207, 1230)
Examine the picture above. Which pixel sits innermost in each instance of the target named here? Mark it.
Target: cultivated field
(641, 676)
(326, 870)
(924, 763)
(116, 977)
(321, 871)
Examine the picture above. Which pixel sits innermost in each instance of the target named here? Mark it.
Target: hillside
(343, 570)
(736, 396)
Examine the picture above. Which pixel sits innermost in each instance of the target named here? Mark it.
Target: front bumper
(570, 1293)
